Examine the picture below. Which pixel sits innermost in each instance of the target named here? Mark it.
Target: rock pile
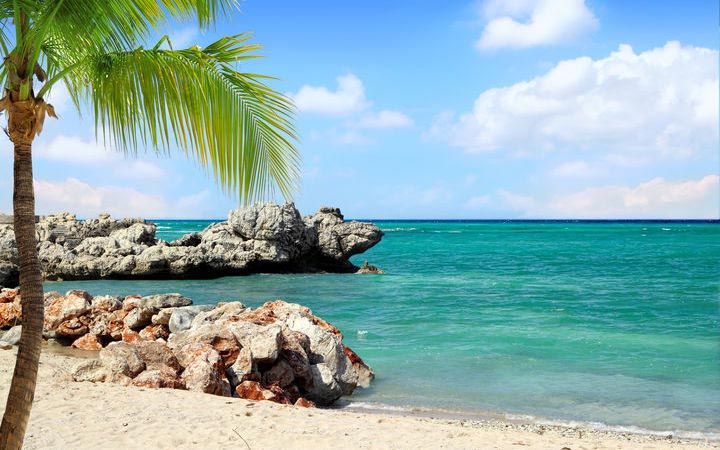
(258, 238)
(279, 352)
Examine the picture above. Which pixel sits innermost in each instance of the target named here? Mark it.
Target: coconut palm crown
(156, 98)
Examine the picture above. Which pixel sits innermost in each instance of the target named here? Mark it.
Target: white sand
(69, 415)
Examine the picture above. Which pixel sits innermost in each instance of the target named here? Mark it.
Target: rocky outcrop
(258, 238)
(279, 351)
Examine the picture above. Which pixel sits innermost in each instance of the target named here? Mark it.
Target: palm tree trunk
(22, 388)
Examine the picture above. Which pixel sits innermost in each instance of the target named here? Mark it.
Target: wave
(525, 418)
(600, 426)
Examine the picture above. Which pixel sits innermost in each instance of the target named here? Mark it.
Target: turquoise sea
(614, 323)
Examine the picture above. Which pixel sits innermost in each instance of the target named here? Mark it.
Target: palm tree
(232, 123)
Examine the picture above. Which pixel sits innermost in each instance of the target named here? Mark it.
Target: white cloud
(659, 102)
(349, 97)
(656, 198)
(140, 170)
(542, 22)
(385, 119)
(59, 98)
(477, 201)
(85, 200)
(574, 169)
(75, 150)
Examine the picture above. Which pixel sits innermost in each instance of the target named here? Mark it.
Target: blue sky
(454, 109)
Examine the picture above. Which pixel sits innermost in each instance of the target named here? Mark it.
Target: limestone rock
(12, 336)
(256, 238)
(10, 313)
(87, 342)
(68, 315)
(164, 377)
(122, 358)
(92, 370)
(182, 318)
(157, 355)
(204, 370)
(242, 369)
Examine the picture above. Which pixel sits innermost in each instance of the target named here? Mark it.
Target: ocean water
(616, 324)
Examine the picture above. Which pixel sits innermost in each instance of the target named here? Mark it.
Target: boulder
(182, 318)
(91, 370)
(105, 303)
(204, 369)
(139, 317)
(252, 390)
(11, 336)
(164, 377)
(87, 342)
(67, 315)
(215, 335)
(10, 313)
(242, 369)
(122, 358)
(157, 355)
(263, 342)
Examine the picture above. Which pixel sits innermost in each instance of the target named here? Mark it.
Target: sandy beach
(74, 415)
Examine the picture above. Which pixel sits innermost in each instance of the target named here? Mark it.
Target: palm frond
(231, 122)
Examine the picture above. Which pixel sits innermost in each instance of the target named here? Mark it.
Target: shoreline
(528, 421)
(85, 415)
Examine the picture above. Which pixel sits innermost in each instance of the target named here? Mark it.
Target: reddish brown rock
(115, 324)
(105, 303)
(130, 336)
(130, 302)
(63, 314)
(252, 390)
(214, 334)
(165, 377)
(50, 297)
(260, 316)
(204, 369)
(73, 327)
(154, 332)
(87, 342)
(10, 314)
(8, 295)
(157, 355)
(304, 403)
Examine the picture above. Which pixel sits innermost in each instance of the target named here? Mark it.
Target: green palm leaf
(231, 122)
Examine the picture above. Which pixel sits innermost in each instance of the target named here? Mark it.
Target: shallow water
(615, 323)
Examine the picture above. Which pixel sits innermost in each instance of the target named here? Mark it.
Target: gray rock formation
(258, 238)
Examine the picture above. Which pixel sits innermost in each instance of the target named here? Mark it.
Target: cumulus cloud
(385, 119)
(347, 98)
(657, 198)
(631, 105)
(85, 200)
(530, 23)
(75, 150)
